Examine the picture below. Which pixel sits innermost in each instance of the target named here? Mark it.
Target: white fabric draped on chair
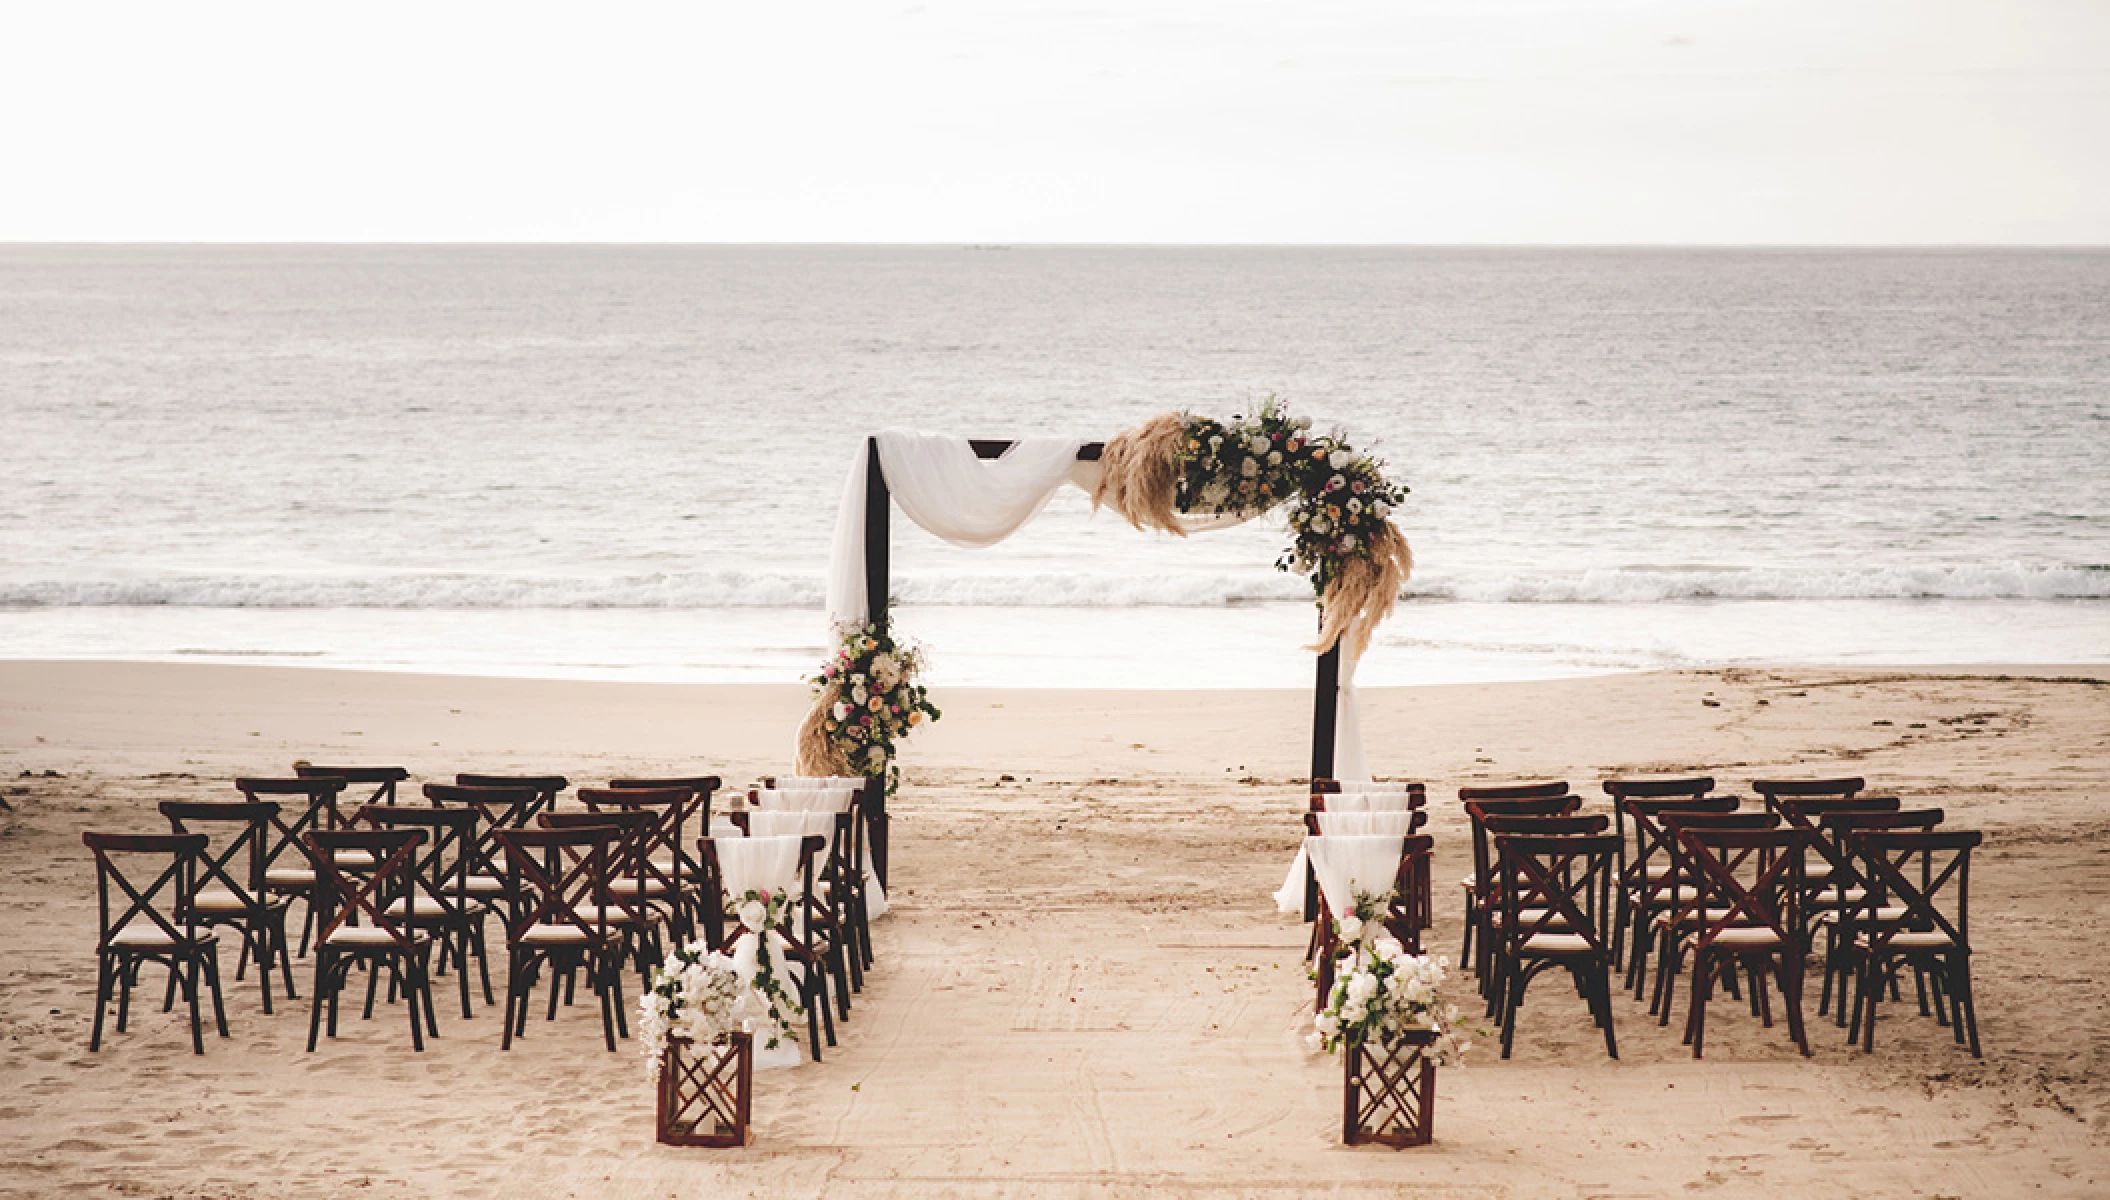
(1346, 865)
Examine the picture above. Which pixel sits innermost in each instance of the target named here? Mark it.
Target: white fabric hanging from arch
(939, 482)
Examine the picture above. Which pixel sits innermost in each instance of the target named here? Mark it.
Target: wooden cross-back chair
(833, 911)
(441, 877)
(558, 922)
(1688, 787)
(849, 854)
(230, 888)
(626, 902)
(1749, 884)
(1548, 887)
(666, 873)
(496, 808)
(151, 923)
(362, 925)
(1645, 872)
(800, 942)
(1479, 887)
(1406, 909)
(311, 804)
(1834, 905)
(1933, 931)
(1683, 904)
(382, 779)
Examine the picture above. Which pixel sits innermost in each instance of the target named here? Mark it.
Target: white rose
(1380, 507)
(1249, 468)
(859, 695)
(1361, 988)
(1350, 927)
(841, 711)
(1338, 482)
(1274, 458)
(1320, 525)
(752, 913)
(1348, 542)
(1327, 1024)
(1339, 459)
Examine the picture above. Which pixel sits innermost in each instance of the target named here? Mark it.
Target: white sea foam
(740, 589)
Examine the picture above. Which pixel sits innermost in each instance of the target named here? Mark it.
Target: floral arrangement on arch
(866, 699)
(1340, 502)
(1381, 992)
(702, 995)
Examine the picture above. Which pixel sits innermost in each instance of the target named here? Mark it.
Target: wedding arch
(1178, 473)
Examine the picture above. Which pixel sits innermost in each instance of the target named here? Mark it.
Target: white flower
(1339, 482)
(1362, 987)
(1216, 441)
(1380, 507)
(1274, 458)
(753, 913)
(1320, 525)
(1327, 1024)
(1349, 927)
(841, 711)
(1348, 542)
(1354, 505)
(1249, 468)
(858, 694)
(1339, 459)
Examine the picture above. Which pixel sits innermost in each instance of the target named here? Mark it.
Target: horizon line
(999, 244)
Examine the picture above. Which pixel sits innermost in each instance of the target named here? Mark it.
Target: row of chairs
(406, 890)
(1708, 887)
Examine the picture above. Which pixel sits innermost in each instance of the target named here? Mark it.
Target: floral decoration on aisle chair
(1387, 1013)
(698, 1023)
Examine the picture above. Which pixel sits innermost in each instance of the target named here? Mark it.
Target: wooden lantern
(1391, 1091)
(704, 1091)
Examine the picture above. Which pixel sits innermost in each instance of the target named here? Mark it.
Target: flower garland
(866, 698)
(1381, 992)
(1340, 502)
(702, 995)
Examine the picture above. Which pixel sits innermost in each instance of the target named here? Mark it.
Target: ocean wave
(738, 589)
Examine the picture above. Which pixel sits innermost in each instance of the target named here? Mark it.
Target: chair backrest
(383, 779)
(630, 857)
(1772, 790)
(1514, 791)
(668, 808)
(496, 808)
(1399, 823)
(745, 864)
(1477, 812)
(695, 812)
(1936, 896)
(1657, 789)
(344, 898)
(1651, 838)
(545, 788)
(1346, 865)
(557, 877)
(1551, 884)
(1367, 801)
(256, 818)
(317, 808)
(1329, 787)
(449, 849)
(1744, 878)
(1560, 826)
(178, 878)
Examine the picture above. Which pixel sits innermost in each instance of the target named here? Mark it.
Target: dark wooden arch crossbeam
(879, 507)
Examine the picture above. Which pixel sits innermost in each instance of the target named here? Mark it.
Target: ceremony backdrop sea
(624, 462)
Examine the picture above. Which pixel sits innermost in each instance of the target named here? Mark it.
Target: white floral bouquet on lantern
(701, 995)
(1380, 992)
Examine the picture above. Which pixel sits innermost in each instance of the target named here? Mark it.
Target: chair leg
(483, 963)
(102, 1000)
(610, 972)
(127, 974)
(190, 991)
(284, 951)
(1965, 1000)
(461, 966)
(513, 964)
(212, 980)
(315, 1001)
(410, 1003)
(1603, 978)
(1512, 999)
(1703, 972)
(1791, 999)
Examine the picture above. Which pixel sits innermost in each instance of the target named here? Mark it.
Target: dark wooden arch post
(879, 506)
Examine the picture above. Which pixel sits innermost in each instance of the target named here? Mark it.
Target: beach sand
(1084, 989)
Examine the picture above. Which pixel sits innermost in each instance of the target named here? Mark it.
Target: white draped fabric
(768, 823)
(1339, 823)
(757, 863)
(826, 801)
(1369, 802)
(939, 482)
(1347, 865)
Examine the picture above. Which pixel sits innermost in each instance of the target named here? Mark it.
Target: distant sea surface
(624, 462)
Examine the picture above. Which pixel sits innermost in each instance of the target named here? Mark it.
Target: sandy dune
(1083, 990)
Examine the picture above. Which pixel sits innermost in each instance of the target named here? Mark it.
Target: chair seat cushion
(486, 885)
(1911, 939)
(364, 936)
(553, 933)
(616, 915)
(290, 877)
(1530, 918)
(218, 901)
(432, 908)
(1756, 937)
(143, 934)
(632, 886)
(1556, 943)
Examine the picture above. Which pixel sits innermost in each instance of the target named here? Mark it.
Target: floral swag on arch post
(1177, 472)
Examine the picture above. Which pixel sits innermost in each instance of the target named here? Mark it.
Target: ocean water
(623, 462)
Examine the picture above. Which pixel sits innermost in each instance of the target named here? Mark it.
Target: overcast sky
(1392, 121)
